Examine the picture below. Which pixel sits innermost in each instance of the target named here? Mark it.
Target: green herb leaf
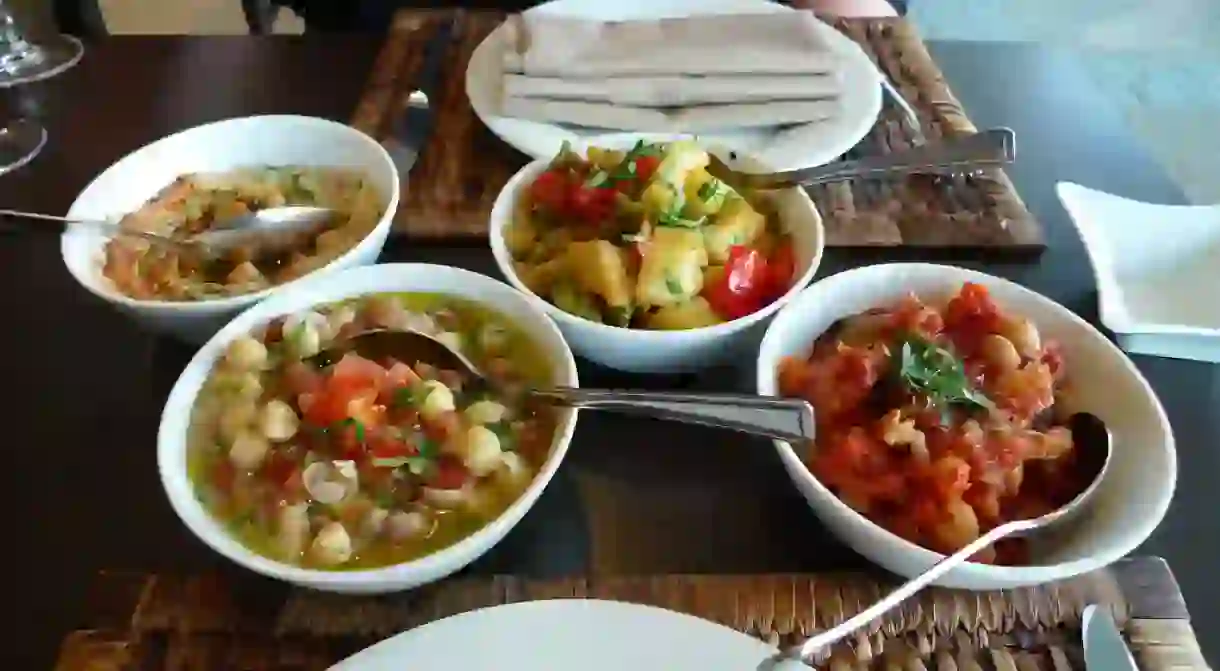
(390, 462)
(350, 421)
(407, 397)
(936, 373)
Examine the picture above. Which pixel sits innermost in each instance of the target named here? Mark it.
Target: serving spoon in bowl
(782, 418)
(1090, 437)
(267, 230)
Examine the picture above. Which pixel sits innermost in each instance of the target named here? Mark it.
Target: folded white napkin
(540, 44)
(692, 74)
(674, 91)
(696, 119)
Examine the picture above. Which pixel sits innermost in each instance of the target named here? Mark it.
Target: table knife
(1104, 647)
(412, 127)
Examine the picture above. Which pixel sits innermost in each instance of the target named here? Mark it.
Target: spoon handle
(819, 642)
(64, 223)
(782, 418)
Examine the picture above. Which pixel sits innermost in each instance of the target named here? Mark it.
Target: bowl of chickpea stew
(365, 474)
(940, 395)
(646, 261)
(188, 181)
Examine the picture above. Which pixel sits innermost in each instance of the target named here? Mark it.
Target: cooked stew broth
(363, 463)
(196, 202)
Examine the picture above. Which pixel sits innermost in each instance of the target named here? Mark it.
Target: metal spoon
(267, 230)
(1090, 437)
(785, 419)
(989, 147)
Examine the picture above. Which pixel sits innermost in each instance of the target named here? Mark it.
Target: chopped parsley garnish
(426, 452)
(351, 421)
(936, 373)
(408, 396)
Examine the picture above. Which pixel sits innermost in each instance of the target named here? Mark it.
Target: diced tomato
(276, 469)
(323, 409)
(591, 204)
(223, 474)
(346, 441)
(449, 474)
(366, 410)
(550, 191)
(744, 287)
(645, 166)
(385, 446)
(399, 375)
(781, 268)
(354, 372)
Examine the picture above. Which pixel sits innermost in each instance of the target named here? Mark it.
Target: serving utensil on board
(412, 128)
(990, 147)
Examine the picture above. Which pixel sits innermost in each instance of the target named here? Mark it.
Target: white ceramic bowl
(644, 351)
(171, 437)
(223, 145)
(1137, 486)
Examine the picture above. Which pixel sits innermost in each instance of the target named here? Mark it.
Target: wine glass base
(20, 142)
(45, 59)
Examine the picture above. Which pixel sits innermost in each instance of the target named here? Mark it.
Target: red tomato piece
(592, 205)
(385, 446)
(323, 409)
(781, 269)
(277, 469)
(550, 191)
(449, 474)
(223, 474)
(356, 372)
(745, 283)
(645, 166)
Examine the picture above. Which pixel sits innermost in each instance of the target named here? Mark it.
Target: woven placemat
(464, 166)
(241, 621)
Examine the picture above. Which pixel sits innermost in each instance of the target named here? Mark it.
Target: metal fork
(989, 147)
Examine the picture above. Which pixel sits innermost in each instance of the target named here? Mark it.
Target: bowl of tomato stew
(366, 473)
(646, 261)
(941, 396)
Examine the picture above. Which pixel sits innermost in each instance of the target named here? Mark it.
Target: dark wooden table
(80, 484)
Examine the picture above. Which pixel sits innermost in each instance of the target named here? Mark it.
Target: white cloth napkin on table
(674, 75)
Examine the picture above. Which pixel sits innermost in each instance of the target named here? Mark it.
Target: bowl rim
(97, 287)
(503, 206)
(765, 384)
(172, 439)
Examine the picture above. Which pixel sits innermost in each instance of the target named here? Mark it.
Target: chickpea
(246, 354)
(1023, 335)
(278, 421)
(1000, 352)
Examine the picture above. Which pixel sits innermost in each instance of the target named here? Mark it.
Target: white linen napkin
(696, 119)
(685, 75)
(674, 91)
(540, 44)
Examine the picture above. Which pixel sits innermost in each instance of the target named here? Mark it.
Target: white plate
(795, 147)
(565, 635)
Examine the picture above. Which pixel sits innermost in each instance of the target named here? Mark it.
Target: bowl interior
(796, 209)
(175, 418)
(224, 145)
(1137, 487)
